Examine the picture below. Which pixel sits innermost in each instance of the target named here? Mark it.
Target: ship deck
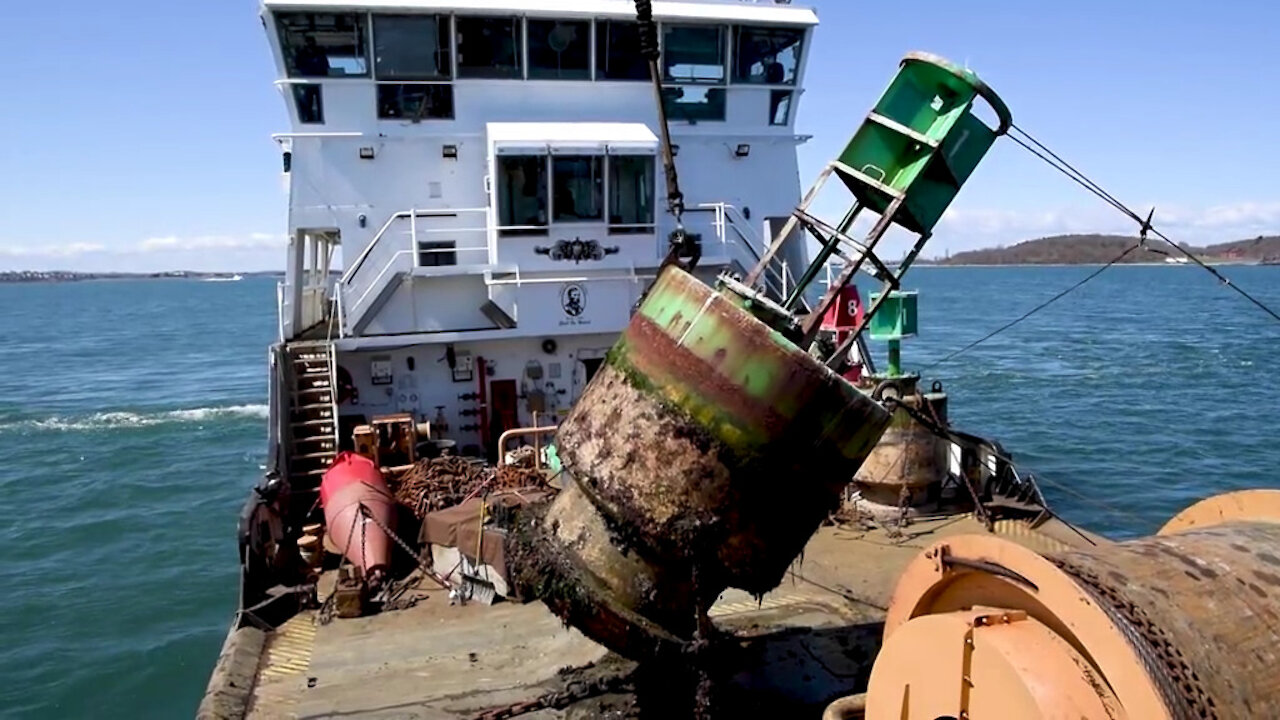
(812, 639)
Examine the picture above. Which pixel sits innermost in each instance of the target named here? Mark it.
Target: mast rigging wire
(1029, 143)
(1035, 309)
(1062, 166)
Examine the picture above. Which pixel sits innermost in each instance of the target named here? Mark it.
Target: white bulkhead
(490, 171)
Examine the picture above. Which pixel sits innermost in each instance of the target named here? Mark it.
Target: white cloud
(252, 241)
(1246, 216)
(964, 228)
(216, 253)
(170, 243)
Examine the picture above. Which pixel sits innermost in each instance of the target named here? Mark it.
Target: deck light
(742, 150)
(450, 152)
(366, 153)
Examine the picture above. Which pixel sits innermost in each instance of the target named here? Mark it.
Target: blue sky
(136, 134)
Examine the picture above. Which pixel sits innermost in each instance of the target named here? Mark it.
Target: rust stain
(656, 355)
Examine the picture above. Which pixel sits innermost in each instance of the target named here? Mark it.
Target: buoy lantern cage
(921, 141)
(907, 161)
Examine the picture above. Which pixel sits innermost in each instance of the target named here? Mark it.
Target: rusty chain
(1177, 681)
(417, 556)
(574, 691)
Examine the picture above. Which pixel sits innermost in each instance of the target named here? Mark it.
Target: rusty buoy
(703, 455)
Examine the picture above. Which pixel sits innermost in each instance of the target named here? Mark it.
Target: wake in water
(124, 419)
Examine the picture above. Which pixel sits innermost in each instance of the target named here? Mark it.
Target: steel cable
(1035, 309)
(1056, 162)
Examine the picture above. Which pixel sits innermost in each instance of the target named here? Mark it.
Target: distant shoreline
(22, 277)
(31, 277)
(1101, 249)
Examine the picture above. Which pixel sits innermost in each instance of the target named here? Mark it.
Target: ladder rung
(314, 406)
(313, 438)
(312, 423)
(323, 388)
(898, 127)
(314, 456)
(302, 465)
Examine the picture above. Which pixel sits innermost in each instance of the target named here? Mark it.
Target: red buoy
(353, 481)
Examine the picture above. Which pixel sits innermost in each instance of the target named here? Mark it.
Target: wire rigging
(1056, 162)
(1029, 143)
(1035, 309)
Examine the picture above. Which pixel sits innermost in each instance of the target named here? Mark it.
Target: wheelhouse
(486, 175)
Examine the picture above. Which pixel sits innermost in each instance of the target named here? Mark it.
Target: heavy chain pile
(437, 483)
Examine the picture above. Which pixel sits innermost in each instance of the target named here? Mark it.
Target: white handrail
(443, 212)
(392, 261)
(728, 216)
(634, 277)
(413, 232)
(341, 312)
(280, 309)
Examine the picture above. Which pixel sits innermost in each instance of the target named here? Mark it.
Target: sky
(136, 134)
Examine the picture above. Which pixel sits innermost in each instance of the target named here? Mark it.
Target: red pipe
(484, 403)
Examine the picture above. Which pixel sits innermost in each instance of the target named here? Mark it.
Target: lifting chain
(325, 614)
(417, 556)
(1179, 685)
(573, 691)
(328, 608)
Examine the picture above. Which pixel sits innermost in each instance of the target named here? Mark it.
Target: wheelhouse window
(323, 44)
(631, 192)
(411, 47)
(693, 53)
(694, 104)
(309, 102)
(559, 50)
(522, 195)
(577, 193)
(415, 101)
(618, 51)
(769, 56)
(488, 47)
(780, 107)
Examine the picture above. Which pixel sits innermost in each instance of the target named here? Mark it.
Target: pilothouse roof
(747, 12)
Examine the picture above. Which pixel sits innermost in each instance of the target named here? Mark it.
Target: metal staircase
(313, 412)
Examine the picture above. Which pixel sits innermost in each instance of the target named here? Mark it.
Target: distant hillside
(1099, 249)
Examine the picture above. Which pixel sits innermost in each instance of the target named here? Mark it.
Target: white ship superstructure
(490, 172)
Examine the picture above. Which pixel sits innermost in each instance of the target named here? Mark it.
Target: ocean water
(132, 424)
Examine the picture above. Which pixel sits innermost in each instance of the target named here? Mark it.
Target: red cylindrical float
(350, 482)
